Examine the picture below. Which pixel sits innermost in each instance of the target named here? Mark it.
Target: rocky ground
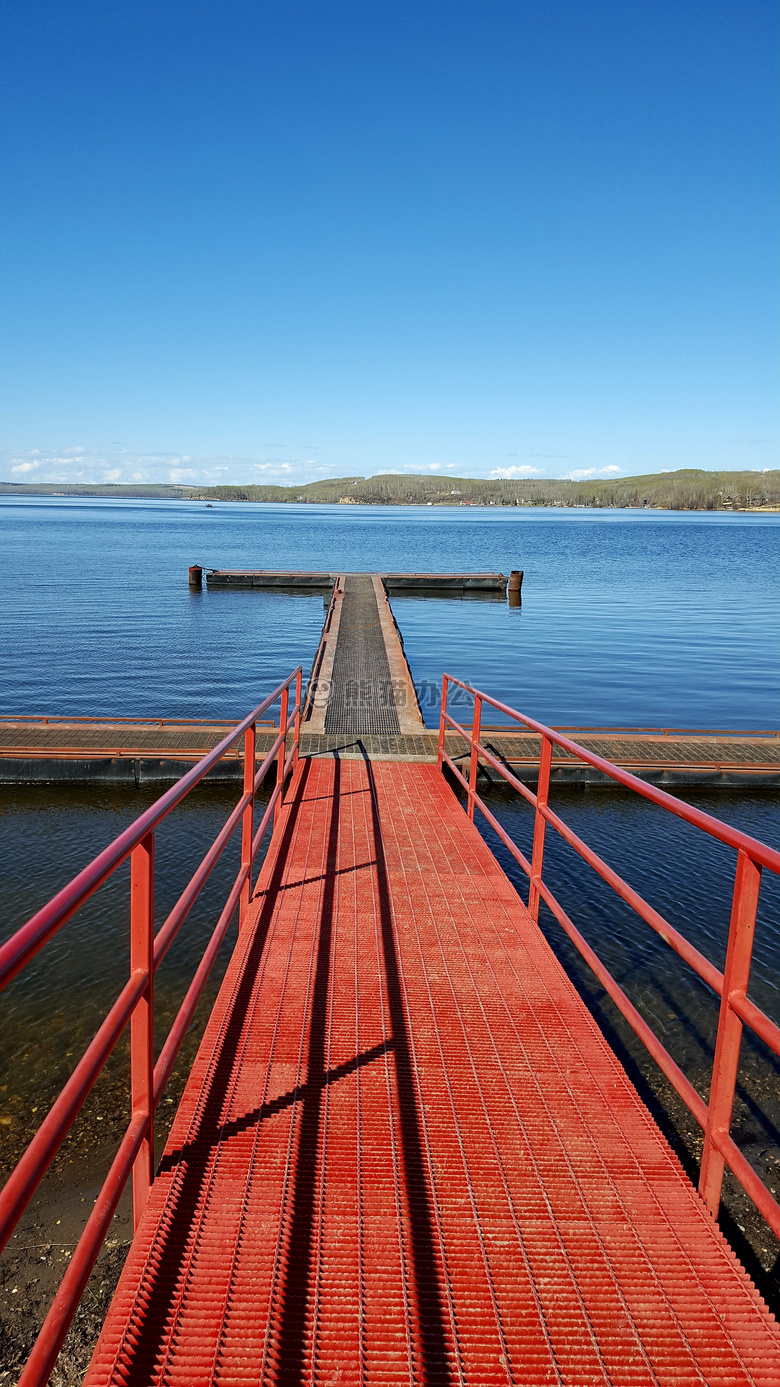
(32, 1265)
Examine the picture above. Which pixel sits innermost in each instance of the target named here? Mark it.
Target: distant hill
(688, 489)
(147, 489)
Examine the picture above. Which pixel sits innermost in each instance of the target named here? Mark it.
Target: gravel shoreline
(33, 1263)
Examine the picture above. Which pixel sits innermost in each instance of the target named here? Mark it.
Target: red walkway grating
(406, 1153)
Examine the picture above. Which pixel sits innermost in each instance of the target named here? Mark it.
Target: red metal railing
(731, 986)
(771, 733)
(135, 1003)
(65, 720)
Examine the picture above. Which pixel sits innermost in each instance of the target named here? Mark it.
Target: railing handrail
(736, 1008)
(32, 936)
(769, 733)
(135, 1003)
(106, 720)
(733, 837)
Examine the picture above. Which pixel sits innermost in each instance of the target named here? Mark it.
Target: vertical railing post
(474, 767)
(540, 823)
(445, 683)
(282, 751)
(297, 724)
(736, 974)
(142, 1019)
(247, 821)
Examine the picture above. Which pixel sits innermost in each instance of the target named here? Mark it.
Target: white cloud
(299, 464)
(296, 468)
(580, 474)
(508, 473)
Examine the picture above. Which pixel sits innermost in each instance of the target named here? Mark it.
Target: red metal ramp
(406, 1153)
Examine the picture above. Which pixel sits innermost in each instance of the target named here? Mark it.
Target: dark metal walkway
(361, 699)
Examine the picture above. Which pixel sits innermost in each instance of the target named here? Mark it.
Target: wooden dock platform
(361, 683)
(269, 578)
(427, 584)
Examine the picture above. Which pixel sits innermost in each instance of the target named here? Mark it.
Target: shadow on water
(740, 1221)
(688, 877)
(48, 834)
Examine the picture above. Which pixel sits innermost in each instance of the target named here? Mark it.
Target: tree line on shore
(687, 489)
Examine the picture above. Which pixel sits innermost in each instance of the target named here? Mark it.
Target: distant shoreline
(685, 490)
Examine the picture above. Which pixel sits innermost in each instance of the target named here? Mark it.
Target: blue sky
(281, 241)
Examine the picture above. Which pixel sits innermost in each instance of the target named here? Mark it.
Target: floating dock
(146, 752)
(427, 584)
(362, 702)
(268, 578)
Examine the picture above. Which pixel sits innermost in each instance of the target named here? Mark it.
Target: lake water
(628, 618)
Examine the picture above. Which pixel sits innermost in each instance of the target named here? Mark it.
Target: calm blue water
(628, 617)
